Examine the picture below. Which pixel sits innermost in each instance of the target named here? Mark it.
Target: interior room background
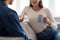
(53, 5)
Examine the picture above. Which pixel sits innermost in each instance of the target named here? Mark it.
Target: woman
(47, 30)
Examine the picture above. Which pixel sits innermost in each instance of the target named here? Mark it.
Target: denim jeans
(48, 34)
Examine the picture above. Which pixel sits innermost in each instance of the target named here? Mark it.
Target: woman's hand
(21, 18)
(46, 20)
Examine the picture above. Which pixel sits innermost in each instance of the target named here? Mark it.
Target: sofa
(28, 30)
(11, 38)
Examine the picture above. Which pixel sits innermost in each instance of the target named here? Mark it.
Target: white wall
(51, 4)
(13, 6)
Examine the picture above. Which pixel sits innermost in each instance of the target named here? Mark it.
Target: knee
(57, 36)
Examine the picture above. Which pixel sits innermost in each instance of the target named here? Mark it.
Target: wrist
(49, 23)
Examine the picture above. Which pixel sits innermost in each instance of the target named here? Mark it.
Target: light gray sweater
(33, 18)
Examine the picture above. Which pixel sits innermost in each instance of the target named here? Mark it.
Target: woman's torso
(33, 19)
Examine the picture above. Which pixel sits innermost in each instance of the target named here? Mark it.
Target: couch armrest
(28, 30)
(11, 38)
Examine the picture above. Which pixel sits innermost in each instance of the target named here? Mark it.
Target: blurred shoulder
(46, 9)
(27, 7)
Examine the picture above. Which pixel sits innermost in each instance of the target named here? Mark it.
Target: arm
(21, 17)
(50, 19)
(13, 27)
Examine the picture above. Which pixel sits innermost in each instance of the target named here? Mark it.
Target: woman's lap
(49, 34)
(56, 36)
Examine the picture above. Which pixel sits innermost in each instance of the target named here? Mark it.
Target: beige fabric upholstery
(7, 38)
(28, 30)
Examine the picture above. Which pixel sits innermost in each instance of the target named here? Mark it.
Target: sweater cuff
(54, 26)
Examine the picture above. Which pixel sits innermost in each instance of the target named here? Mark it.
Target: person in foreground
(9, 21)
(41, 21)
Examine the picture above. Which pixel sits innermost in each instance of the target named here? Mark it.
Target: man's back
(8, 19)
(9, 23)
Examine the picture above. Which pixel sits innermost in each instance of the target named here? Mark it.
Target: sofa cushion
(28, 30)
(11, 38)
